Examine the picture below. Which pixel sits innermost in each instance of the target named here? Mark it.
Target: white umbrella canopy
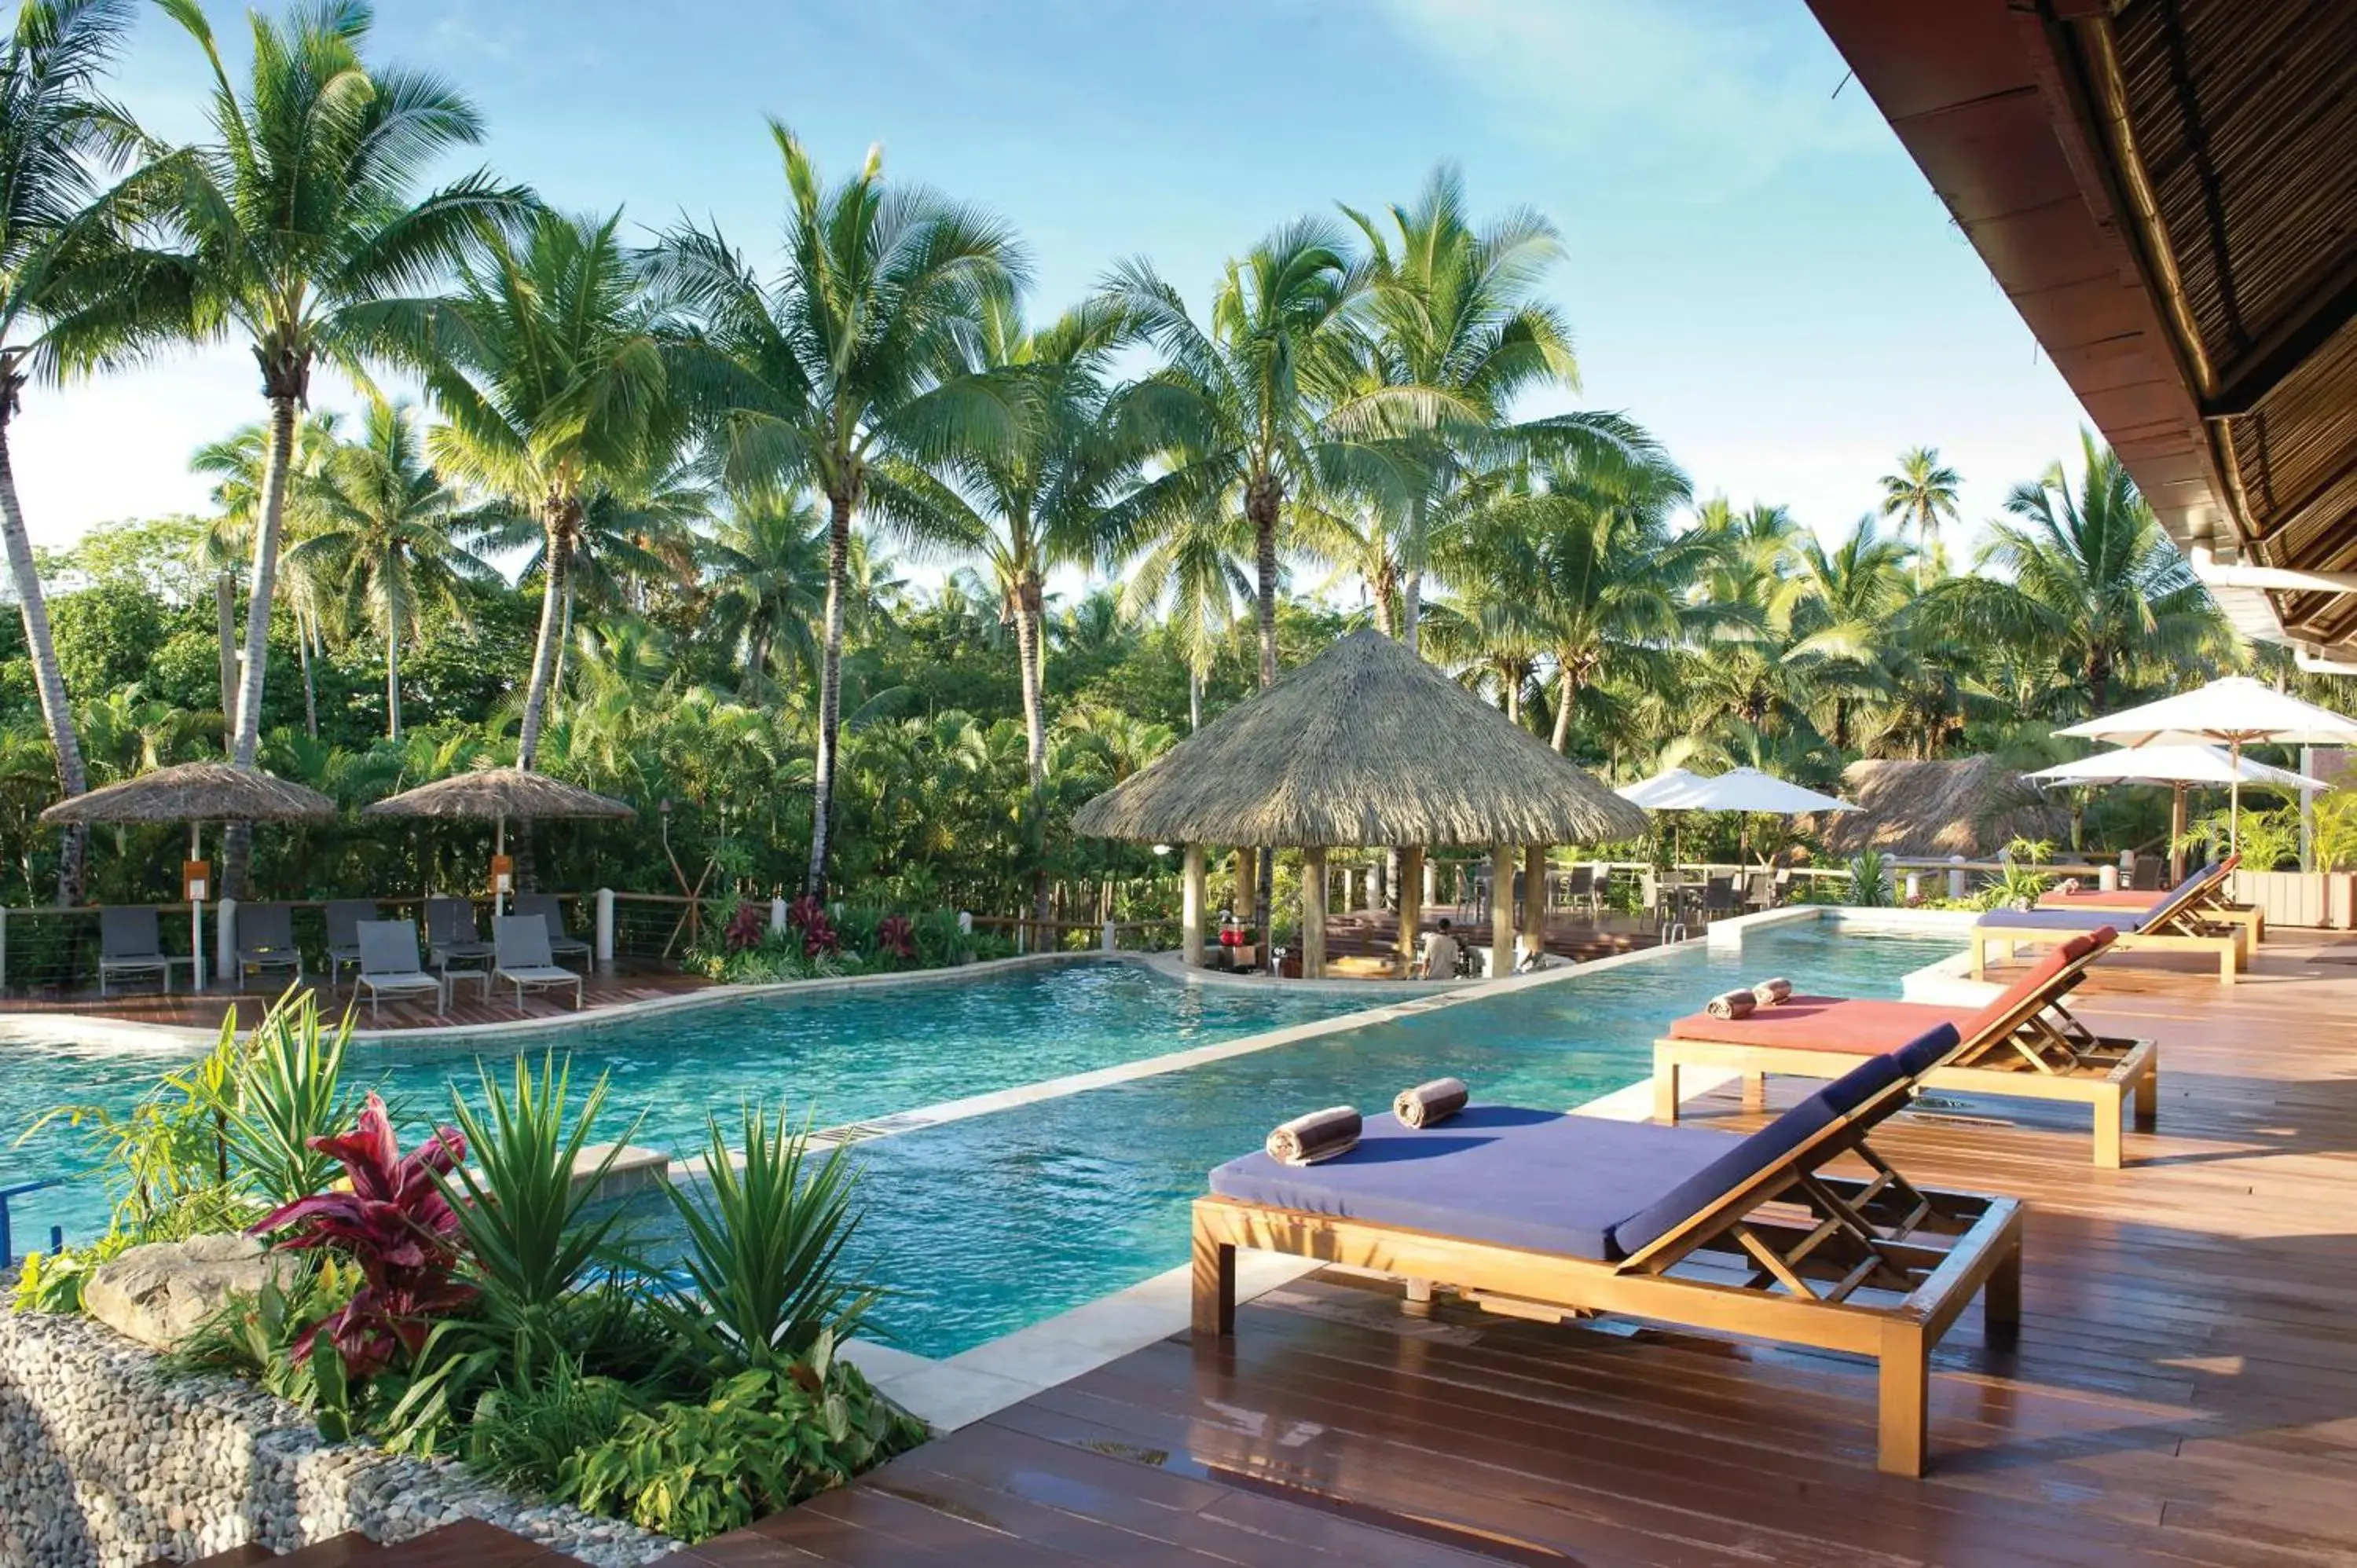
(2233, 709)
(1748, 790)
(1668, 791)
(2169, 764)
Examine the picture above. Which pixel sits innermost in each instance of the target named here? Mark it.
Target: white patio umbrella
(2179, 767)
(1663, 791)
(2235, 712)
(1745, 789)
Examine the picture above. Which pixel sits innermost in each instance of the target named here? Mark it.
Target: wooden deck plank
(2184, 1390)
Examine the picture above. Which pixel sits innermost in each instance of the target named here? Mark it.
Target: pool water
(841, 1056)
(983, 1226)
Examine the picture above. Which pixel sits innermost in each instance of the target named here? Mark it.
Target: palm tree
(1922, 494)
(1588, 573)
(74, 295)
(1453, 317)
(383, 539)
(553, 390)
(1850, 599)
(306, 237)
(239, 464)
(767, 566)
(1042, 500)
(856, 357)
(2087, 579)
(1250, 413)
(1193, 577)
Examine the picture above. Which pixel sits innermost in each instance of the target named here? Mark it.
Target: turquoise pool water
(983, 1226)
(845, 1056)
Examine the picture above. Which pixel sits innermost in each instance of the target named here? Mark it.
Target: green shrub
(763, 1281)
(524, 1434)
(284, 1093)
(765, 1441)
(1869, 880)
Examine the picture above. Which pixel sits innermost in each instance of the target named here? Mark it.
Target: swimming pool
(983, 1226)
(842, 1055)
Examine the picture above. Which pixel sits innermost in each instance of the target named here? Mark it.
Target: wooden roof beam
(2245, 382)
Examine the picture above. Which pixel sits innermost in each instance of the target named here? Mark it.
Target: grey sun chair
(131, 942)
(389, 966)
(561, 944)
(525, 961)
(265, 940)
(451, 936)
(344, 918)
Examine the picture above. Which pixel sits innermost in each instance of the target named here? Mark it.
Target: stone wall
(105, 1461)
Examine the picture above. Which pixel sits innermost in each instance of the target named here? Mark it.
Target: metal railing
(8, 1259)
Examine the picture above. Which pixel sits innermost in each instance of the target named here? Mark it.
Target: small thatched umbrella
(1365, 745)
(194, 794)
(496, 794)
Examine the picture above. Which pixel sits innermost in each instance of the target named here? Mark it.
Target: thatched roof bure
(1365, 745)
(1971, 806)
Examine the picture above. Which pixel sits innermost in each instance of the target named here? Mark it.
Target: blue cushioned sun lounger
(2182, 923)
(1727, 1232)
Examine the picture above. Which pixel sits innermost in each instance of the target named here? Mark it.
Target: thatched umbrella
(1365, 745)
(495, 794)
(194, 794)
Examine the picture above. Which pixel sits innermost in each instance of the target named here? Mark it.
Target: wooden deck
(2184, 1392)
(469, 1004)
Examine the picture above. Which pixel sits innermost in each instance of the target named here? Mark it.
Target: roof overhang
(2163, 188)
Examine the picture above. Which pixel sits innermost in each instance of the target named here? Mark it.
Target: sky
(1754, 269)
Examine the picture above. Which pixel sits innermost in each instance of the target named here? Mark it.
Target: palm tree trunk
(237, 842)
(306, 648)
(1194, 698)
(57, 714)
(830, 691)
(564, 635)
(1027, 653)
(556, 564)
(1564, 704)
(1261, 502)
(225, 620)
(1411, 609)
(392, 678)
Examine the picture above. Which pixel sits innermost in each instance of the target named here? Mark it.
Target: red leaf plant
(896, 937)
(396, 1225)
(804, 911)
(808, 916)
(747, 928)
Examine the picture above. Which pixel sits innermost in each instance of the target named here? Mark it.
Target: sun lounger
(2025, 1045)
(389, 966)
(1717, 1231)
(561, 944)
(523, 961)
(131, 942)
(2176, 925)
(344, 917)
(2214, 903)
(451, 938)
(265, 940)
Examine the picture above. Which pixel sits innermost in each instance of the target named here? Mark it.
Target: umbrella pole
(2235, 804)
(2177, 835)
(195, 916)
(499, 847)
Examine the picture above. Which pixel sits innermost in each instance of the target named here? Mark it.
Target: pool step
(467, 1543)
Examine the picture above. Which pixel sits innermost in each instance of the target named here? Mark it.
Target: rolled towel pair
(1732, 1005)
(1428, 1103)
(1321, 1136)
(1769, 993)
(2069, 885)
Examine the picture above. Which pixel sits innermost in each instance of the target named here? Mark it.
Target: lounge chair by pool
(2214, 903)
(523, 959)
(265, 940)
(2025, 1045)
(451, 936)
(131, 942)
(561, 944)
(1717, 1231)
(2176, 925)
(388, 966)
(344, 917)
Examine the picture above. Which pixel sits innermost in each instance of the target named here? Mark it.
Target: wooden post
(1247, 885)
(1190, 910)
(1535, 901)
(1501, 911)
(1413, 874)
(1313, 913)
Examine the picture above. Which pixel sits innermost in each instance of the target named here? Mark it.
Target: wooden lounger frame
(1783, 1257)
(2038, 1051)
(2180, 925)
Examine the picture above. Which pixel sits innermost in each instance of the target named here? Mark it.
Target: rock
(159, 1293)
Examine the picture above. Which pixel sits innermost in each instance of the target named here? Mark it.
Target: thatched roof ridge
(1365, 745)
(489, 792)
(194, 792)
(1970, 806)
